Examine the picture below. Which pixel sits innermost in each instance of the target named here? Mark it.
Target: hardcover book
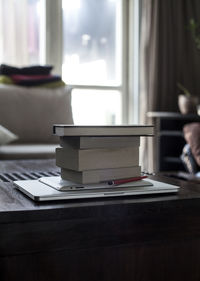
(109, 130)
(99, 142)
(92, 159)
(101, 175)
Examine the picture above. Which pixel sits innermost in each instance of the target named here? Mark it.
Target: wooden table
(121, 239)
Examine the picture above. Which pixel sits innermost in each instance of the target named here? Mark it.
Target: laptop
(53, 188)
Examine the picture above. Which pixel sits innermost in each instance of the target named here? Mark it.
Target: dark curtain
(169, 52)
(168, 55)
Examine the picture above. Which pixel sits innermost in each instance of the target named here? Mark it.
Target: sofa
(29, 114)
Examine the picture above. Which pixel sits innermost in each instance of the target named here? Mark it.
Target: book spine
(91, 159)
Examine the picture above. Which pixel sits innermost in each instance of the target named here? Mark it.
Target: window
(96, 106)
(89, 42)
(92, 37)
(92, 56)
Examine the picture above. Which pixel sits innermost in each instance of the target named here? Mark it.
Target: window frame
(53, 46)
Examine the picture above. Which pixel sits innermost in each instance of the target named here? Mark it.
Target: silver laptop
(53, 188)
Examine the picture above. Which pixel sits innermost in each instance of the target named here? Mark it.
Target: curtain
(19, 32)
(168, 55)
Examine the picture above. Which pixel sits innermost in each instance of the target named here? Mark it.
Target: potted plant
(186, 102)
(194, 27)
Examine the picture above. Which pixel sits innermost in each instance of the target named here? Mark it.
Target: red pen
(118, 182)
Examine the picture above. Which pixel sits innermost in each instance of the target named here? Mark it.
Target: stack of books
(95, 154)
(96, 162)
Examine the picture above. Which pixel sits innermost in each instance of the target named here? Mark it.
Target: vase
(187, 105)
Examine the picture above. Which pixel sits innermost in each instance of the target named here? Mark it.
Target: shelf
(173, 115)
(172, 159)
(171, 133)
(169, 139)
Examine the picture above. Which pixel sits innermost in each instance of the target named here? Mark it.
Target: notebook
(37, 190)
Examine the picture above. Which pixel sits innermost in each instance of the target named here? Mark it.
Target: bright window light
(92, 35)
(96, 107)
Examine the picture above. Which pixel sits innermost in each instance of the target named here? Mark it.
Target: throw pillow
(188, 160)
(6, 136)
(192, 136)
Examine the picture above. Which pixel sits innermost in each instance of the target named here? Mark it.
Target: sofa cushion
(30, 112)
(192, 137)
(30, 151)
(6, 136)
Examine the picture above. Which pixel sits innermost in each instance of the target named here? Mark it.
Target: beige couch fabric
(30, 151)
(30, 112)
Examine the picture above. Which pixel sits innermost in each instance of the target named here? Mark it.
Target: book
(109, 130)
(101, 175)
(92, 159)
(99, 142)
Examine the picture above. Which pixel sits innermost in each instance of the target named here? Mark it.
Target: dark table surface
(13, 204)
(134, 238)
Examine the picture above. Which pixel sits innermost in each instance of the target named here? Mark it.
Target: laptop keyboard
(34, 175)
(9, 177)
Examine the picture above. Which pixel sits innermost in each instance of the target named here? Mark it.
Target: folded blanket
(34, 80)
(48, 83)
(30, 76)
(52, 85)
(5, 79)
(29, 70)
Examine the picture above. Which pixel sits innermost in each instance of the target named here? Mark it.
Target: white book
(92, 159)
(99, 142)
(109, 130)
(101, 175)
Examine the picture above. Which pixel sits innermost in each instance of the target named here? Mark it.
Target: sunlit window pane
(96, 107)
(92, 42)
